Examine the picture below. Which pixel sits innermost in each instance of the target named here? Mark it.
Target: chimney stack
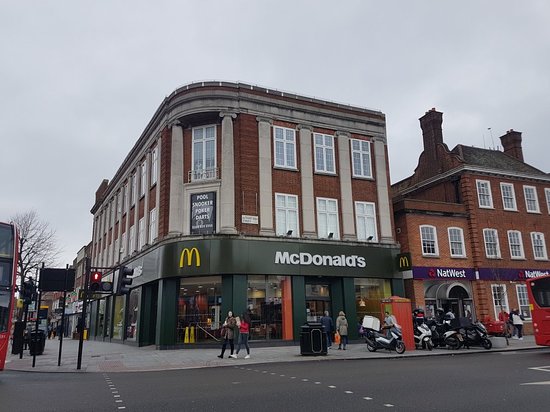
(431, 132)
(511, 142)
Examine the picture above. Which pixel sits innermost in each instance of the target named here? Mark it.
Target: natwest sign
(511, 274)
(306, 259)
(443, 273)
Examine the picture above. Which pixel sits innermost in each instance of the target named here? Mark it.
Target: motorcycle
(476, 334)
(422, 333)
(376, 340)
(445, 334)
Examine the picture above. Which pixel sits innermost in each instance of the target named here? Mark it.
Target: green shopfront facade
(182, 290)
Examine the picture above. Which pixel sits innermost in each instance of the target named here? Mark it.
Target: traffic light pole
(87, 272)
(63, 318)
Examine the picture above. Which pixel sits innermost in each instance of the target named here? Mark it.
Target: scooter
(376, 340)
(476, 335)
(422, 333)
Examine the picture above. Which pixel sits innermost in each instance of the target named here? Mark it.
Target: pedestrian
(228, 333)
(59, 330)
(342, 329)
(450, 315)
(50, 331)
(517, 320)
(244, 333)
(389, 323)
(504, 316)
(328, 326)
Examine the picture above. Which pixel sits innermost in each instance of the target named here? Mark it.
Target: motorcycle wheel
(400, 347)
(371, 347)
(487, 344)
(452, 343)
(430, 345)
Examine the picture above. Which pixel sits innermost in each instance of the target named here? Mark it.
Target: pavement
(116, 357)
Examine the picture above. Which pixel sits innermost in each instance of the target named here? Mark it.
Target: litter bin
(37, 342)
(313, 340)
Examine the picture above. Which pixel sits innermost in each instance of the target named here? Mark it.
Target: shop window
(368, 294)
(118, 317)
(199, 307)
(523, 300)
(500, 299)
(270, 307)
(132, 314)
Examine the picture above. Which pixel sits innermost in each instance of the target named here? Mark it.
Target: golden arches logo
(189, 253)
(404, 262)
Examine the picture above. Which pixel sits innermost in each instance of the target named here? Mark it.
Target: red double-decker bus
(8, 270)
(539, 296)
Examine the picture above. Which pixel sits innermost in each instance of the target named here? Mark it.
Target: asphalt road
(493, 381)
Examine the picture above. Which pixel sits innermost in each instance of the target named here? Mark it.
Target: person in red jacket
(244, 333)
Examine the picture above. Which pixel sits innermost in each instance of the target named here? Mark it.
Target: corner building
(475, 223)
(236, 197)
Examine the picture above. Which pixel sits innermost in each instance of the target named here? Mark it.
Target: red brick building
(475, 222)
(237, 197)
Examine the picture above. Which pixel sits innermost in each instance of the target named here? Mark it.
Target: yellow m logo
(189, 253)
(404, 262)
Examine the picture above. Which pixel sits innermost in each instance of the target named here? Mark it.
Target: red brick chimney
(431, 132)
(511, 142)
(100, 192)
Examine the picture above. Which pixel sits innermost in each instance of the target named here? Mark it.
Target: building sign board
(443, 273)
(511, 274)
(203, 213)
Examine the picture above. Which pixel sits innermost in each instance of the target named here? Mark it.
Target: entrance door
(317, 301)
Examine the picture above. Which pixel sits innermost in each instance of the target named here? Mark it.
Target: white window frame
(143, 179)
(531, 200)
(291, 215)
(538, 242)
(325, 161)
(428, 242)
(547, 195)
(510, 197)
(154, 165)
(287, 143)
(153, 229)
(141, 233)
(500, 298)
(456, 241)
(365, 221)
(523, 300)
(494, 234)
(328, 217)
(133, 193)
(124, 245)
(518, 243)
(484, 195)
(132, 246)
(125, 198)
(204, 166)
(361, 152)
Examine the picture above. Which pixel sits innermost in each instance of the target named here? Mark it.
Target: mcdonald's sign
(186, 257)
(404, 262)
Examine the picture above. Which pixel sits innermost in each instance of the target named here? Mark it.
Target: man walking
(328, 326)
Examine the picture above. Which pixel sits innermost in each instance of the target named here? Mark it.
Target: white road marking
(348, 392)
(541, 368)
(332, 387)
(388, 405)
(317, 383)
(367, 398)
(305, 380)
(536, 383)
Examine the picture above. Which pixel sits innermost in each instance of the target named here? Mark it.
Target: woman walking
(244, 333)
(342, 329)
(228, 333)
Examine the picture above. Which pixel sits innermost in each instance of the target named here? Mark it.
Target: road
(493, 381)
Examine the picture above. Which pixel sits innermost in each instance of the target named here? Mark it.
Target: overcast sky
(79, 81)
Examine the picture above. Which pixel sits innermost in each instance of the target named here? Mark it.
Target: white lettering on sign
(248, 219)
(535, 273)
(451, 273)
(306, 259)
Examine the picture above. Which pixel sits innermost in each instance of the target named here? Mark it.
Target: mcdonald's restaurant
(182, 290)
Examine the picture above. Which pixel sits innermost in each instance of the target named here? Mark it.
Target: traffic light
(28, 292)
(123, 280)
(95, 281)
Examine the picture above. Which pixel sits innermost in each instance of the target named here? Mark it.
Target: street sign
(56, 280)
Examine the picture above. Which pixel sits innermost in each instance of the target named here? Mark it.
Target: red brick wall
(164, 181)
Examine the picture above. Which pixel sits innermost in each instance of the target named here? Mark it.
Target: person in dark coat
(328, 325)
(228, 333)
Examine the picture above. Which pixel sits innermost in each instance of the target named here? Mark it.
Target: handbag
(223, 333)
(337, 338)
